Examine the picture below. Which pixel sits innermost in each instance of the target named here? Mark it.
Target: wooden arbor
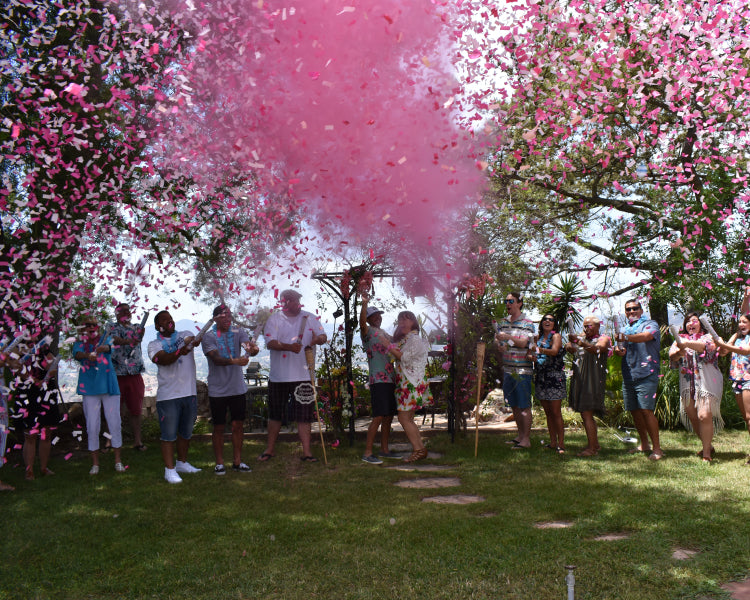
(345, 287)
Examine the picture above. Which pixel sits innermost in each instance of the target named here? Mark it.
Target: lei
(170, 344)
(225, 342)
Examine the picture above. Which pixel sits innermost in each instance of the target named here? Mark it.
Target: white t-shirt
(286, 365)
(178, 379)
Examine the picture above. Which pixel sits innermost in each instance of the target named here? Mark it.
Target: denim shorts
(177, 417)
(640, 394)
(517, 390)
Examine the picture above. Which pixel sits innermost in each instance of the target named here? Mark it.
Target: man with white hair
(287, 333)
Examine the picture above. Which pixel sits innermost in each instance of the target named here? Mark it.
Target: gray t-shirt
(225, 380)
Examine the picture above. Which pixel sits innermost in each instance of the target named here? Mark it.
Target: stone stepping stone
(553, 524)
(683, 553)
(455, 499)
(429, 482)
(420, 467)
(611, 537)
(740, 590)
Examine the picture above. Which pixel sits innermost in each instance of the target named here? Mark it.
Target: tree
(629, 120)
(78, 82)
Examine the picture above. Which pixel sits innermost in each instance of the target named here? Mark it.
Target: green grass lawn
(291, 530)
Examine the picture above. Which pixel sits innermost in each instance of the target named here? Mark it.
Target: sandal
(46, 471)
(29, 473)
(700, 452)
(5, 487)
(265, 457)
(560, 450)
(416, 455)
(141, 447)
(587, 452)
(309, 459)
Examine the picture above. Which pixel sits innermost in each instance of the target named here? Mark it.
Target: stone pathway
(455, 499)
(553, 525)
(612, 537)
(740, 590)
(429, 482)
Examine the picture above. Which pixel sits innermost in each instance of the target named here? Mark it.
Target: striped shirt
(516, 360)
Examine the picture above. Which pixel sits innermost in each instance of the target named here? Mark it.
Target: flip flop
(265, 457)
(512, 442)
(5, 487)
(310, 459)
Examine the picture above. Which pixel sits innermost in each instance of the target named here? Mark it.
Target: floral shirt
(740, 368)
(379, 360)
(127, 359)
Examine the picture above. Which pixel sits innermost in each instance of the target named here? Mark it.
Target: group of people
(110, 378)
(538, 357)
(111, 367)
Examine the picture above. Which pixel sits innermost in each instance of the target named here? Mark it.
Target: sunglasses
(510, 301)
(632, 309)
(548, 320)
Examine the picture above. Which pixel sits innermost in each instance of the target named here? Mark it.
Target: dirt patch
(430, 482)
(553, 525)
(740, 590)
(612, 537)
(455, 499)
(421, 467)
(683, 553)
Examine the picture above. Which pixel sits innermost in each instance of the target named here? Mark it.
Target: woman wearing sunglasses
(549, 380)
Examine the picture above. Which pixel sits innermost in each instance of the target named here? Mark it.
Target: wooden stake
(480, 367)
(310, 356)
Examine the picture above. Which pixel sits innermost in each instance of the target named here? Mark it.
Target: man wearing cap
(227, 389)
(375, 342)
(128, 362)
(287, 333)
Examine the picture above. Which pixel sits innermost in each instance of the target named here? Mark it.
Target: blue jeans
(177, 416)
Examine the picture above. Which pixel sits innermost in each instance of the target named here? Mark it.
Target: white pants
(92, 409)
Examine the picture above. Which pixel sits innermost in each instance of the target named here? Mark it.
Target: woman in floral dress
(412, 389)
(701, 382)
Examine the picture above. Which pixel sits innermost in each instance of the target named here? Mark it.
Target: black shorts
(383, 399)
(35, 408)
(235, 404)
(291, 399)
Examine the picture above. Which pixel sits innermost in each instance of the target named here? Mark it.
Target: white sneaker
(94, 470)
(119, 467)
(186, 467)
(171, 476)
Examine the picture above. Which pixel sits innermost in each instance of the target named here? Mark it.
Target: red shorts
(132, 390)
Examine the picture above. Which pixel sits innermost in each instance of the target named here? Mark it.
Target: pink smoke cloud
(344, 107)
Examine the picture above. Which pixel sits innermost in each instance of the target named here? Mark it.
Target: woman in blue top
(549, 380)
(97, 383)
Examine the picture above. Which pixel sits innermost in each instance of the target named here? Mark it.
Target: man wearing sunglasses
(514, 334)
(639, 348)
